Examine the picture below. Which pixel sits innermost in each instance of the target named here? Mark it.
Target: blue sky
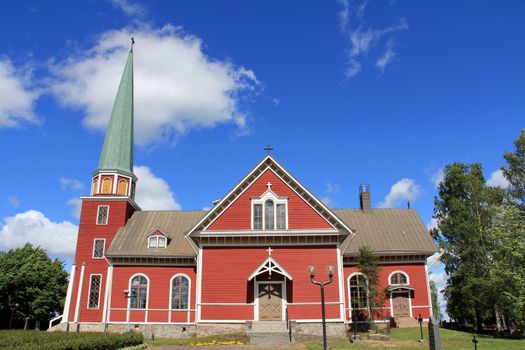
(348, 92)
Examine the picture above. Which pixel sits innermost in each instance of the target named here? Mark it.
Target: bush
(36, 340)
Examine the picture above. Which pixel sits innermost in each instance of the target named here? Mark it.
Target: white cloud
(58, 238)
(330, 189)
(387, 57)
(362, 37)
(177, 86)
(16, 98)
(432, 224)
(130, 8)
(73, 184)
(14, 201)
(497, 179)
(437, 177)
(153, 193)
(403, 191)
(76, 204)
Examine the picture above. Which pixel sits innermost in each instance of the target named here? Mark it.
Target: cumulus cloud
(76, 206)
(403, 191)
(130, 8)
(362, 37)
(58, 238)
(153, 193)
(437, 176)
(497, 179)
(178, 87)
(16, 97)
(71, 184)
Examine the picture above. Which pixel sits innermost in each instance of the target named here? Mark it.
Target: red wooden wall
(226, 270)
(417, 279)
(300, 214)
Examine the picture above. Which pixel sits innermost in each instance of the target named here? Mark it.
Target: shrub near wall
(36, 340)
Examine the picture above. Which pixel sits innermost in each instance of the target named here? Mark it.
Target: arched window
(398, 278)
(268, 215)
(106, 185)
(180, 292)
(138, 292)
(358, 297)
(95, 186)
(122, 187)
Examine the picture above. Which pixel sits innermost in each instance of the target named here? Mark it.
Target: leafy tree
(368, 265)
(464, 213)
(514, 171)
(507, 268)
(436, 310)
(30, 279)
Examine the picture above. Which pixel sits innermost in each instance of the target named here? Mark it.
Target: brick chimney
(364, 197)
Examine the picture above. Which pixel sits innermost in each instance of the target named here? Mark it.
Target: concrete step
(406, 322)
(268, 333)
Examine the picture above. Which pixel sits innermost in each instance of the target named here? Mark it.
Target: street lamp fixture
(128, 295)
(13, 307)
(312, 271)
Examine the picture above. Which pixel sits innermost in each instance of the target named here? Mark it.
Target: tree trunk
(479, 326)
(498, 319)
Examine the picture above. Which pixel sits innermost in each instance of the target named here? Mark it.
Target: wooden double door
(270, 301)
(400, 303)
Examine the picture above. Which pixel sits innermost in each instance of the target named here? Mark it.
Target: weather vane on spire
(268, 149)
(132, 43)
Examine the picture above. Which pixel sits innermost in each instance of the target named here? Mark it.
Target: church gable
(265, 193)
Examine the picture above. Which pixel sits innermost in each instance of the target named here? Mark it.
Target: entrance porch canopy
(268, 266)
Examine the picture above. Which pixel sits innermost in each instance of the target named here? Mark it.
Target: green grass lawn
(223, 339)
(406, 338)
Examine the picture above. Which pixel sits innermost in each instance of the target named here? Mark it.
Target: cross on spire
(269, 250)
(132, 43)
(268, 149)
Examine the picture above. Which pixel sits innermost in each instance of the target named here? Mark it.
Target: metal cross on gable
(269, 250)
(269, 185)
(268, 149)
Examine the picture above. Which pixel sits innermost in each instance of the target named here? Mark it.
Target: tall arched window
(180, 292)
(398, 278)
(138, 292)
(358, 297)
(106, 185)
(122, 187)
(268, 215)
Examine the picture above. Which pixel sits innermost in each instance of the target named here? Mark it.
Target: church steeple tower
(114, 175)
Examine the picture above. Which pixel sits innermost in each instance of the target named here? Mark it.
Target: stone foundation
(305, 331)
(204, 329)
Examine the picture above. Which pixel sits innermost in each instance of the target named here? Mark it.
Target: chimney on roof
(364, 197)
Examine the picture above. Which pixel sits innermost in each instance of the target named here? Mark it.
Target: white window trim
(350, 293)
(103, 250)
(157, 241)
(399, 284)
(170, 296)
(147, 294)
(269, 194)
(107, 215)
(99, 290)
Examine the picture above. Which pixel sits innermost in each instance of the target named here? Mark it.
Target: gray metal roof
(386, 231)
(131, 240)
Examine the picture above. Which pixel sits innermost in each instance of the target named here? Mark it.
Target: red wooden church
(245, 260)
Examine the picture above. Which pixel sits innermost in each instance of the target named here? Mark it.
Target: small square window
(152, 242)
(98, 248)
(102, 215)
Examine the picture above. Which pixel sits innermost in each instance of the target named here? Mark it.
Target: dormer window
(269, 212)
(158, 239)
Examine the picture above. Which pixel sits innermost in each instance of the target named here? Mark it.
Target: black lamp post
(330, 271)
(420, 321)
(13, 307)
(128, 295)
(475, 341)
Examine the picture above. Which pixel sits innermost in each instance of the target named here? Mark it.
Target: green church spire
(117, 153)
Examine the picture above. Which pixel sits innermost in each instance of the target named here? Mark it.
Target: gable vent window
(98, 248)
(269, 212)
(157, 241)
(102, 215)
